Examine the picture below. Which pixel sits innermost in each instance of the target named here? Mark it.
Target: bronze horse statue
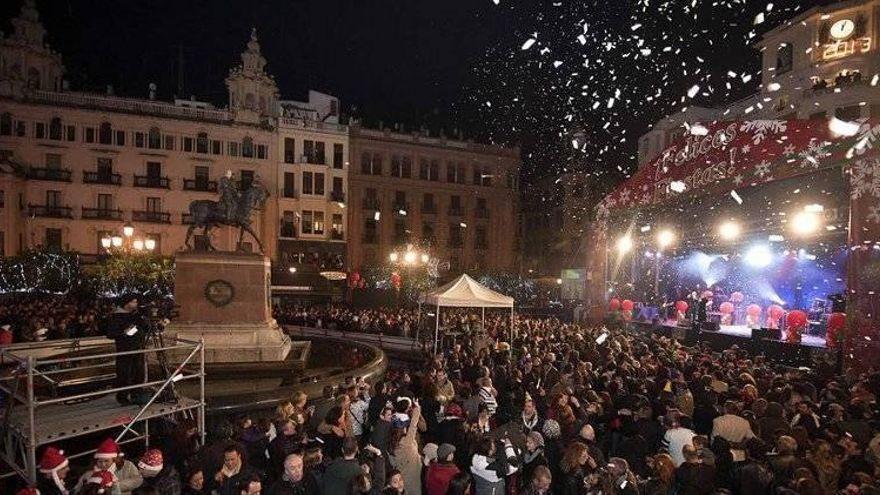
(209, 214)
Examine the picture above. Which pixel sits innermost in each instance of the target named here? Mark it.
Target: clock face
(842, 29)
(219, 292)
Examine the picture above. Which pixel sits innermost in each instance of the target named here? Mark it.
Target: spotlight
(805, 223)
(393, 257)
(729, 230)
(624, 244)
(758, 256)
(665, 238)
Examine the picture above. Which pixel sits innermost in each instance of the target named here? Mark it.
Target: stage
(778, 351)
(746, 332)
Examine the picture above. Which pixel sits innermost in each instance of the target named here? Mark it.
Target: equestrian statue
(237, 202)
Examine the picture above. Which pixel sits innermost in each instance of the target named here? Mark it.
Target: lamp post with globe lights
(126, 242)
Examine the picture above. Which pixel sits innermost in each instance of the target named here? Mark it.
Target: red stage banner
(736, 154)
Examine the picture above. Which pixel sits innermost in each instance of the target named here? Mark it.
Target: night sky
(466, 64)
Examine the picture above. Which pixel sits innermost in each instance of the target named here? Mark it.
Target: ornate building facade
(456, 198)
(820, 64)
(75, 166)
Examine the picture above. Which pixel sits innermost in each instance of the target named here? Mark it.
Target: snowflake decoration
(874, 214)
(865, 179)
(813, 155)
(867, 137)
(738, 179)
(789, 150)
(762, 169)
(746, 148)
(624, 196)
(761, 128)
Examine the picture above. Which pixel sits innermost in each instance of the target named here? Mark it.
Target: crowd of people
(560, 409)
(29, 318)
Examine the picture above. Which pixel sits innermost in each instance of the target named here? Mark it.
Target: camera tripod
(156, 339)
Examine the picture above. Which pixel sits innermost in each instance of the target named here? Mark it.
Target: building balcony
(429, 209)
(151, 216)
(50, 211)
(337, 196)
(481, 213)
(203, 185)
(130, 105)
(54, 174)
(101, 214)
(455, 211)
(288, 192)
(152, 181)
(370, 239)
(337, 235)
(371, 203)
(102, 178)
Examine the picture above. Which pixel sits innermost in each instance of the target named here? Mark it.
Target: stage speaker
(838, 303)
(710, 326)
(766, 333)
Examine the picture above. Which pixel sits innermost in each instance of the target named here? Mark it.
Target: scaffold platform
(37, 411)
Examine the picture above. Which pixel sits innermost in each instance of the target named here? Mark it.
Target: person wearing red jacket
(441, 471)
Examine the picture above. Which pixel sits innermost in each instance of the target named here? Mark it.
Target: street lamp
(127, 242)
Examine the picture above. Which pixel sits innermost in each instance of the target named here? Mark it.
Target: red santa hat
(53, 460)
(108, 449)
(28, 490)
(151, 461)
(104, 479)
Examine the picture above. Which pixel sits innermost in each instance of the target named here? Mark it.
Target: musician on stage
(127, 328)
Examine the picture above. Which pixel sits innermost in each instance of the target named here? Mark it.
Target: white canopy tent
(465, 292)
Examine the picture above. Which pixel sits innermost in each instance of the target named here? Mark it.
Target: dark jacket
(339, 474)
(694, 479)
(167, 482)
(230, 485)
(46, 486)
(751, 478)
(286, 487)
(117, 325)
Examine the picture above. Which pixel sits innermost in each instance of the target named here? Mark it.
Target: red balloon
(707, 294)
(737, 297)
(753, 310)
(627, 305)
(796, 319)
(681, 306)
(614, 304)
(775, 311)
(726, 308)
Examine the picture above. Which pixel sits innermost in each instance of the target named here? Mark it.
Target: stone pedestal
(224, 299)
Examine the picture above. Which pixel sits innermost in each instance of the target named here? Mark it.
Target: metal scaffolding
(38, 412)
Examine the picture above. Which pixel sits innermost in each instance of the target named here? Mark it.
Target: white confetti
(528, 44)
(759, 19)
(694, 90)
(736, 197)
